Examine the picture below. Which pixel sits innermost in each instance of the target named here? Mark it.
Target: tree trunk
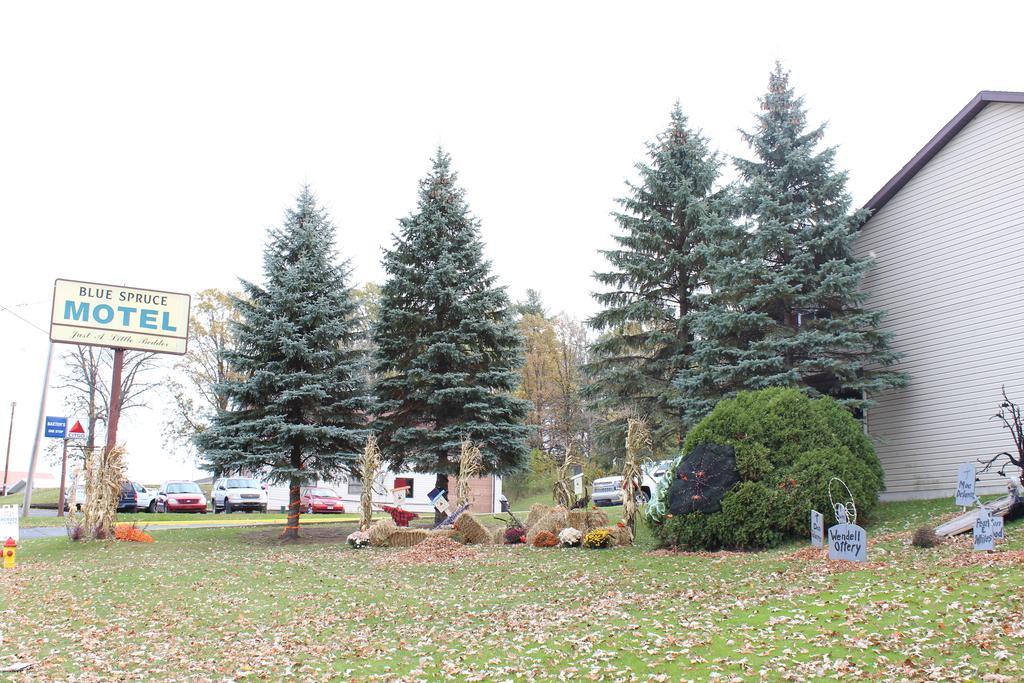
(291, 529)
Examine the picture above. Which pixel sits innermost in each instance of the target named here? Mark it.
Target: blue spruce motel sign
(119, 317)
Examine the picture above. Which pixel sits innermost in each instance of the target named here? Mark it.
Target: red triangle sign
(76, 428)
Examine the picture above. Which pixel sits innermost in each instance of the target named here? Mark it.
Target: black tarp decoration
(702, 478)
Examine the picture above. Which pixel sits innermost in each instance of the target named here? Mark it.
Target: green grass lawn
(230, 604)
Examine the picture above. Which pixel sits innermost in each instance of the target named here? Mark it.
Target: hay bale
(498, 536)
(537, 512)
(470, 530)
(596, 519)
(403, 537)
(621, 535)
(587, 520)
(577, 519)
(554, 521)
(381, 531)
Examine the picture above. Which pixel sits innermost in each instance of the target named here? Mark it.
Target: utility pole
(7, 462)
(114, 412)
(63, 477)
(39, 435)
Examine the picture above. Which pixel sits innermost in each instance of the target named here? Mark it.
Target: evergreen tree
(298, 399)
(656, 285)
(787, 308)
(447, 344)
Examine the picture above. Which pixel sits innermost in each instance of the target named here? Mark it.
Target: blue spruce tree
(448, 349)
(786, 303)
(656, 285)
(298, 396)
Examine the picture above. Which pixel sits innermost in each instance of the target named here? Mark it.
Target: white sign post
(817, 529)
(965, 484)
(983, 539)
(8, 523)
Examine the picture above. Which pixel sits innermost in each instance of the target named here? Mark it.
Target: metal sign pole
(63, 477)
(39, 436)
(7, 461)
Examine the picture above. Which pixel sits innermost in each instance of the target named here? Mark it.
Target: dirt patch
(314, 534)
(434, 550)
(816, 560)
(985, 559)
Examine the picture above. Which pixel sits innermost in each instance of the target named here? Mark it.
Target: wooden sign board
(997, 529)
(847, 542)
(8, 523)
(983, 539)
(817, 529)
(965, 477)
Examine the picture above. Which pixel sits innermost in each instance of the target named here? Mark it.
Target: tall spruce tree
(656, 285)
(298, 399)
(448, 348)
(787, 307)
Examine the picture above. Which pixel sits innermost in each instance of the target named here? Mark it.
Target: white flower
(358, 539)
(570, 536)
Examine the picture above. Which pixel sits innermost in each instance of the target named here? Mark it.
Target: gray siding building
(947, 235)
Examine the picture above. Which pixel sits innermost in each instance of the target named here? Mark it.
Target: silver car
(608, 490)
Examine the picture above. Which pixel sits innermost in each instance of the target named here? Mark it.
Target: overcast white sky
(152, 145)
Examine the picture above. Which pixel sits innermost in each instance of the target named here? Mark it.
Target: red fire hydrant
(10, 548)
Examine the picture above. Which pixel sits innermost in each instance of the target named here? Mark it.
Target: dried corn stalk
(564, 492)
(471, 464)
(638, 444)
(104, 472)
(370, 467)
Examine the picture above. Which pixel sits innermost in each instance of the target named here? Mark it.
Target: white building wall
(350, 494)
(949, 248)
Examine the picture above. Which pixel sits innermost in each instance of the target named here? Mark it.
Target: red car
(181, 496)
(321, 500)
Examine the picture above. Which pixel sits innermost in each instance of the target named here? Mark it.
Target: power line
(24, 320)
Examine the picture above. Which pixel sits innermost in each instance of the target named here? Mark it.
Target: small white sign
(817, 529)
(983, 539)
(965, 484)
(577, 485)
(8, 523)
(997, 529)
(847, 542)
(75, 432)
(441, 503)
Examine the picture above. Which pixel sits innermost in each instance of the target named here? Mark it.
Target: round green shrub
(788, 447)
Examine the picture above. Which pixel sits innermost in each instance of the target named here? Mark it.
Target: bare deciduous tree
(196, 385)
(86, 379)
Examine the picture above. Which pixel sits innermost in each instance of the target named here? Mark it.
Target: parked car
(319, 499)
(608, 490)
(180, 496)
(128, 501)
(145, 499)
(238, 493)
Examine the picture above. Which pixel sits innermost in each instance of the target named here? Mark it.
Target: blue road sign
(56, 427)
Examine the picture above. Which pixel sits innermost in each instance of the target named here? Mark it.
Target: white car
(238, 493)
(146, 499)
(608, 490)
